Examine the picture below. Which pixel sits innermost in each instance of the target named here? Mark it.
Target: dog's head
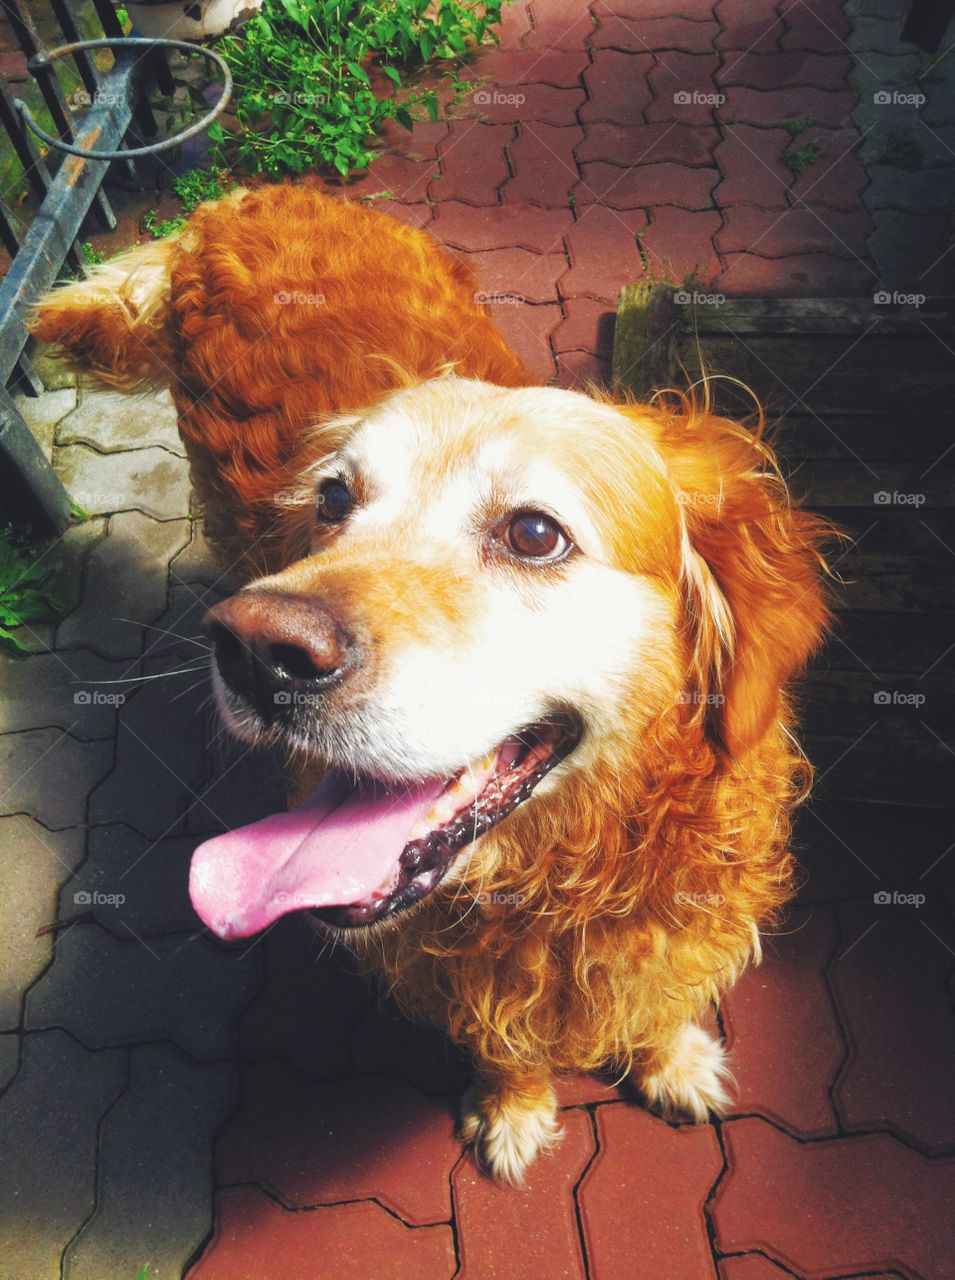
(494, 596)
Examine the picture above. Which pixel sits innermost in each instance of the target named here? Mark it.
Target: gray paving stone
(51, 371)
(198, 562)
(9, 1057)
(888, 9)
(117, 420)
(152, 877)
(937, 145)
(74, 689)
(179, 631)
(42, 413)
(885, 144)
(878, 71)
(909, 251)
(181, 988)
(154, 1202)
(877, 34)
(915, 190)
(49, 1118)
(870, 115)
(245, 786)
(151, 480)
(125, 585)
(161, 758)
(34, 863)
(49, 775)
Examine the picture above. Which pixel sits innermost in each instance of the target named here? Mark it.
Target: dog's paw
(509, 1130)
(691, 1079)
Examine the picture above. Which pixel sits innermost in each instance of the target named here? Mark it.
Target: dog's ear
(113, 323)
(753, 572)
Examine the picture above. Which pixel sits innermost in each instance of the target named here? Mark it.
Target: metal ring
(128, 42)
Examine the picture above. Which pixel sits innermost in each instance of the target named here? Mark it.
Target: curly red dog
(533, 647)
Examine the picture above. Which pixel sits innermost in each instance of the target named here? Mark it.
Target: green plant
(798, 124)
(93, 256)
(802, 157)
(25, 591)
(192, 188)
(316, 79)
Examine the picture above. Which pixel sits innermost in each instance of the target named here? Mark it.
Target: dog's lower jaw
(687, 1079)
(510, 1123)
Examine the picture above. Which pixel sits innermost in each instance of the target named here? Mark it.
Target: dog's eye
(333, 502)
(534, 536)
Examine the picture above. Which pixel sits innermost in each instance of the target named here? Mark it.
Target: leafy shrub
(26, 594)
(316, 79)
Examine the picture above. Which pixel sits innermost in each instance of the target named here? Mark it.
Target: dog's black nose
(271, 647)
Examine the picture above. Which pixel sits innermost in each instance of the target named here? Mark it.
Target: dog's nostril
(298, 664)
(227, 645)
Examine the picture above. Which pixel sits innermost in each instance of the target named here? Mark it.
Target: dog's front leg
(510, 1117)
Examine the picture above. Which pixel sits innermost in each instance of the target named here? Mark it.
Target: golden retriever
(529, 650)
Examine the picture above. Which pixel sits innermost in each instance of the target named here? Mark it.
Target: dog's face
(491, 593)
(487, 579)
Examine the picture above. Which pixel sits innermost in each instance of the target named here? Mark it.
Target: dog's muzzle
(270, 646)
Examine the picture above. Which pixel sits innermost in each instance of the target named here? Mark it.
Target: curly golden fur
(645, 872)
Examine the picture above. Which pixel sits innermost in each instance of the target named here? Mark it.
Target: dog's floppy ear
(113, 323)
(753, 572)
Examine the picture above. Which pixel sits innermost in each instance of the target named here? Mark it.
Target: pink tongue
(341, 846)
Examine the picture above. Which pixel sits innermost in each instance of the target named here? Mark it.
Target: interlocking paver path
(250, 1112)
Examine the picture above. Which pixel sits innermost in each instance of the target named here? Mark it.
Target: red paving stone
(643, 1197)
(749, 26)
(782, 1029)
(754, 1266)
(649, 144)
(821, 27)
(587, 326)
(890, 979)
(603, 253)
(255, 1239)
(310, 1144)
(508, 103)
(501, 227)
(836, 178)
(519, 273)
(801, 276)
(771, 107)
(528, 329)
(670, 32)
(473, 162)
(791, 67)
(835, 1208)
(562, 68)
(578, 370)
(751, 162)
(545, 169)
(679, 245)
(385, 1040)
(683, 88)
(559, 24)
(799, 230)
(618, 87)
(536, 1224)
(646, 184)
